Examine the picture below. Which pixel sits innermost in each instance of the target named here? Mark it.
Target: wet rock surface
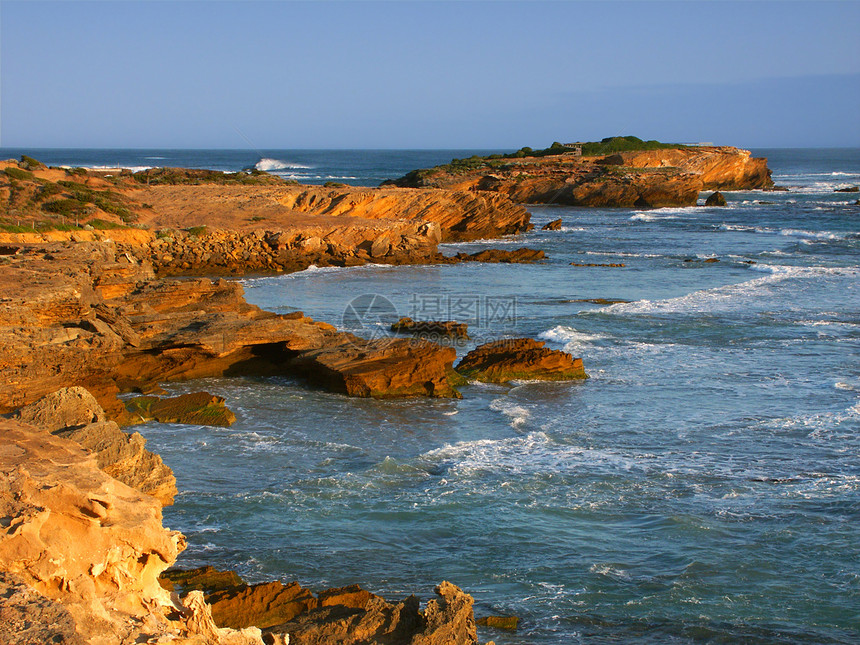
(519, 359)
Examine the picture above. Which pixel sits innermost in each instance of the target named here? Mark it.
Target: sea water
(702, 485)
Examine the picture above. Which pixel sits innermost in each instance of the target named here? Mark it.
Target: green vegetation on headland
(607, 146)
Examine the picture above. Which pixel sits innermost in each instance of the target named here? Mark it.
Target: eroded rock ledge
(91, 314)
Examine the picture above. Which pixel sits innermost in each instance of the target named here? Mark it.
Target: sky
(492, 75)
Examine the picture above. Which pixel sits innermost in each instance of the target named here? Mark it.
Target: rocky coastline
(117, 305)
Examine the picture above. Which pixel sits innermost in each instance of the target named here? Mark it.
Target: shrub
(30, 163)
(67, 207)
(18, 173)
(101, 224)
(198, 231)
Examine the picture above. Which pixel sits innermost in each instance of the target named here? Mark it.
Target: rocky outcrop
(73, 413)
(516, 256)
(715, 199)
(446, 620)
(196, 408)
(640, 179)
(381, 368)
(519, 359)
(77, 537)
(349, 615)
(431, 328)
(554, 225)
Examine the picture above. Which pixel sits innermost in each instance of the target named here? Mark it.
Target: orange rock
(519, 358)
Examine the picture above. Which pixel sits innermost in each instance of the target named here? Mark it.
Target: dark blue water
(355, 167)
(702, 486)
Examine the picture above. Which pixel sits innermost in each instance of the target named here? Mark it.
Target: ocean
(702, 486)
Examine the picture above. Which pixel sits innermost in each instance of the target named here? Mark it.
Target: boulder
(850, 189)
(554, 225)
(715, 199)
(68, 407)
(196, 408)
(381, 368)
(424, 328)
(519, 358)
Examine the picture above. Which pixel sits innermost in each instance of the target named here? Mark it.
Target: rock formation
(519, 358)
(74, 414)
(431, 328)
(446, 620)
(381, 368)
(196, 408)
(638, 178)
(554, 225)
(90, 314)
(208, 223)
(715, 199)
(516, 256)
(77, 538)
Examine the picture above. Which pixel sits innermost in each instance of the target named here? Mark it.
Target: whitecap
(267, 165)
(516, 413)
(573, 340)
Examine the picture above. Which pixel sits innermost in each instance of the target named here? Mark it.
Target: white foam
(650, 216)
(574, 341)
(268, 165)
(527, 454)
(516, 413)
(733, 297)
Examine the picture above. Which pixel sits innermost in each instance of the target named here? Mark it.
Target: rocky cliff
(638, 178)
(82, 549)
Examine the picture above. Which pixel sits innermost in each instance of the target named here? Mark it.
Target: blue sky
(426, 74)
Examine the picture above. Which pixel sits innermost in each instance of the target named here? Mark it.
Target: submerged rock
(517, 256)
(850, 189)
(499, 622)
(196, 408)
(519, 358)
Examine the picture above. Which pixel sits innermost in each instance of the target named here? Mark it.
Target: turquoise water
(702, 486)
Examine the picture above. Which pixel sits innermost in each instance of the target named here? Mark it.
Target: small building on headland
(575, 148)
